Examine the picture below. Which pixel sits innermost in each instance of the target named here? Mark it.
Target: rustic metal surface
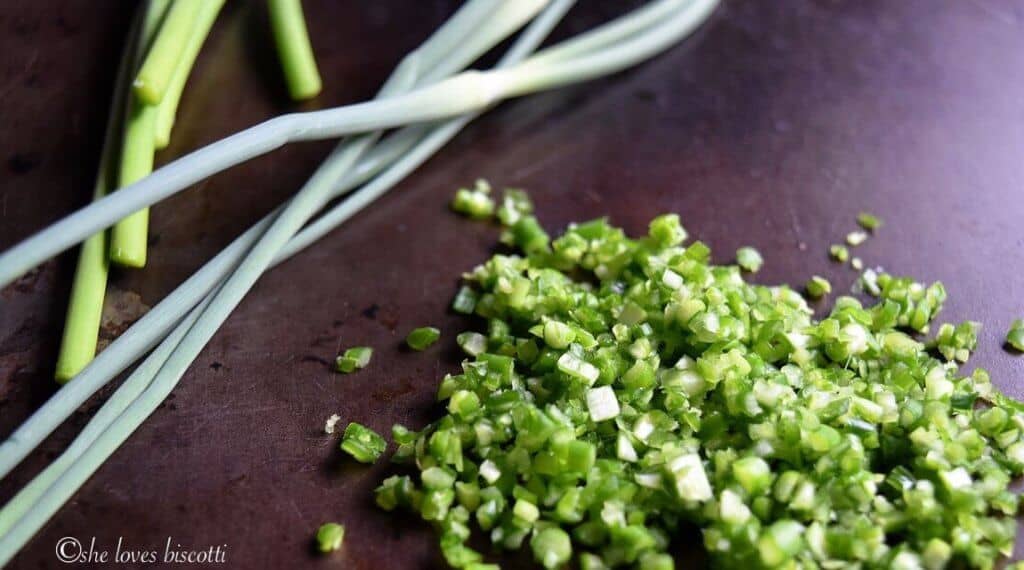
(773, 127)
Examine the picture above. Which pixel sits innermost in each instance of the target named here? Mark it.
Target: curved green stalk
(339, 161)
(293, 48)
(169, 104)
(88, 288)
(466, 92)
(146, 332)
(143, 335)
(155, 74)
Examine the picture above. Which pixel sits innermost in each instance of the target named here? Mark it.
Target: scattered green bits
(476, 203)
(514, 205)
(465, 301)
(472, 343)
(869, 221)
(362, 443)
(856, 238)
(620, 386)
(1015, 336)
(329, 537)
(421, 338)
(957, 342)
(839, 252)
(749, 259)
(667, 231)
(528, 235)
(818, 287)
(353, 359)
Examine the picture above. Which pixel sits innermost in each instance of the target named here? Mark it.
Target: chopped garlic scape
(621, 386)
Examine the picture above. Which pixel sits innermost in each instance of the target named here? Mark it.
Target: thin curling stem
(335, 170)
(145, 333)
(142, 336)
(466, 92)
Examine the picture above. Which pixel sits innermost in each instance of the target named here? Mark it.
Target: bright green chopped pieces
(329, 537)
(1015, 336)
(749, 259)
(780, 542)
(362, 443)
(475, 203)
(602, 404)
(619, 387)
(353, 359)
(667, 231)
(957, 342)
(528, 235)
(558, 334)
(869, 221)
(817, 287)
(421, 338)
(472, 343)
(465, 301)
(514, 205)
(839, 252)
(551, 547)
(856, 238)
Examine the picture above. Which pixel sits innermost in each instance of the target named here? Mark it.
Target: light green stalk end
(169, 104)
(81, 329)
(155, 74)
(293, 48)
(85, 307)
(128, 237)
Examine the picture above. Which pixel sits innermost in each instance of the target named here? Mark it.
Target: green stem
(294, 49)
(85, 307)
(169, 104)
(155, 12)
(156, 71)
(128, 237)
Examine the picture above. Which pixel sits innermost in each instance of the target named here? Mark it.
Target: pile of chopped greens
(626, 387)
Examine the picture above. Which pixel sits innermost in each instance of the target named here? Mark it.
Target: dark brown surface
(773, 127)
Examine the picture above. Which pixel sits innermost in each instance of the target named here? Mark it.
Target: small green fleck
(422, 338)
(666, 231)
(465, 301)
(329, 537)
(857, 263)
(818, 287)
(869, 221)
(749, 259)
(476, 203)
(856, 238)
(1015, 337)
(957, 342)
(514, 205)
(839, 252)
(551, 547)
(362, 443)
(353, 359)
